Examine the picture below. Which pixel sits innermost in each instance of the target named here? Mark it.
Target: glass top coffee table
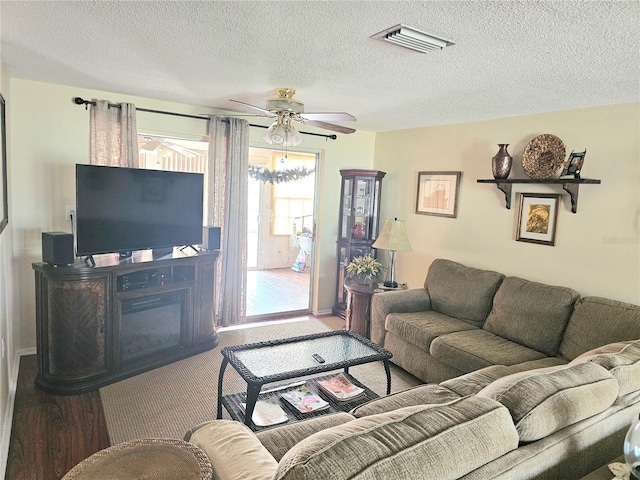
(277, 360)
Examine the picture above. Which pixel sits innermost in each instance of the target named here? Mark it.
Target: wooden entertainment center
(100, 324)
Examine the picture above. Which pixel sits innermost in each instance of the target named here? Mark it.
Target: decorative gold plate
(543, 156)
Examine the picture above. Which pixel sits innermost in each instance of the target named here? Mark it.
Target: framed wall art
(4, 204)
(573, 165)
(438, 193)
(538, 218)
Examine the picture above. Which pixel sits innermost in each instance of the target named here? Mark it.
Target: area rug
(168, 401)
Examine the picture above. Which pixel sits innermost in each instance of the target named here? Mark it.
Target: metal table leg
(223, 365)
(388, 372)
(253, 390)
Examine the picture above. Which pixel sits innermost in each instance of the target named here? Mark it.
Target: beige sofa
(526, 381)
(465, 318)
(557, 422)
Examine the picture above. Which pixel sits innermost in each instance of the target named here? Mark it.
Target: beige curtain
(227, 191)
(114, 134)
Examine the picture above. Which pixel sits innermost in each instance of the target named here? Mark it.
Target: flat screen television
(125, 209)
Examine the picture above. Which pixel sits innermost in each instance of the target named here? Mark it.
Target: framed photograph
(4, 203)
(438, 193)
(573, 165)
(538, 218)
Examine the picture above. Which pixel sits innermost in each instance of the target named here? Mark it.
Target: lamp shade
(393, 237)
(293, 136)
(268, 134)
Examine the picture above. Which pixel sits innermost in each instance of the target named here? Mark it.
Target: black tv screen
(125, 209)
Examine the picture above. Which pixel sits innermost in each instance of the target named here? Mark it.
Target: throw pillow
(234, 451)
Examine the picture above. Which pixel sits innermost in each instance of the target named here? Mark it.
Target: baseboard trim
(7, 422)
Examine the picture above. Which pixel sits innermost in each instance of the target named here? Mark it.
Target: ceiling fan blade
(266, 112)
(333, 116)
(329, 126)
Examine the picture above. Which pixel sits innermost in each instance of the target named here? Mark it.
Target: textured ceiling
(511, 57)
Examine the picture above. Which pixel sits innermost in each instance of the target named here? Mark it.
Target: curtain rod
(81, 101)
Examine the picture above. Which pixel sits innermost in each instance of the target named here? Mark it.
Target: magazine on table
(304, 400)
(340, 388)
(266, 412)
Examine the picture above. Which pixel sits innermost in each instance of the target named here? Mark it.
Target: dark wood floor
(51, 433)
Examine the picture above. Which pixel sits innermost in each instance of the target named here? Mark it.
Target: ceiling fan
(284, 108)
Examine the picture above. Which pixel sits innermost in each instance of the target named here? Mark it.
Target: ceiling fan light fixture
(414, 39)
(293, 136)
(269, 132)
(285, 102)
(276, 134)
(279, 134)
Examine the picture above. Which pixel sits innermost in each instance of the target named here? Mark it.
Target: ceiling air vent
(409, 37)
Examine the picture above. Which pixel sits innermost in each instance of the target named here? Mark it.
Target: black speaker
(57, 248)
(211, 238)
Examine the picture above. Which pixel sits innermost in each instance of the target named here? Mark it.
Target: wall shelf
(570, 185)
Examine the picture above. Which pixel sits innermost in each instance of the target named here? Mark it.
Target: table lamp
(393, 238)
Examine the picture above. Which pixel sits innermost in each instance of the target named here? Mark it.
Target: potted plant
(364, 267)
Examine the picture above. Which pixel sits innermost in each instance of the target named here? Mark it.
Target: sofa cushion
(472, 383)
(234, 451)
(476, 349)
(411, 442)
(530, 313)
(420, 328)
(622, 360)
(418, 395)
(540, 363)
(544, 401)
(461, 292)
(397, 301)
(599, 321)
(278, 440)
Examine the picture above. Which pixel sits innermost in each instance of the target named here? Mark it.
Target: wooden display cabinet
(99, 324)
(359, 223)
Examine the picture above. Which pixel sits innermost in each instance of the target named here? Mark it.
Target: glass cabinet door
(362, 210)
(359, 222)
(345, 212)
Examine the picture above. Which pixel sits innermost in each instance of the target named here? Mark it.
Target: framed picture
(4, 204)
(538, 218)
(438, 193)
(573, 165)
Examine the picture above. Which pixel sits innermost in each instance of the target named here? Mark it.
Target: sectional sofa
(524, 381)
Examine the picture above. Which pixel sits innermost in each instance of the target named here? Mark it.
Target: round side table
(145, 459)
(358, 311)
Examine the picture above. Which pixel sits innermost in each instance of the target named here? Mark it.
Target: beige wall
(597, 250)
(50, 135)
(8, 330)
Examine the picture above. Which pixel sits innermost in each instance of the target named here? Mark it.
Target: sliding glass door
(280, 233)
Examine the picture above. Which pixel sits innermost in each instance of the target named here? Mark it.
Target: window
(173, 154)
(176, 155)
(292, 202)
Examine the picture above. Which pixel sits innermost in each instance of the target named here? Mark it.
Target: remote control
(318, 358)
